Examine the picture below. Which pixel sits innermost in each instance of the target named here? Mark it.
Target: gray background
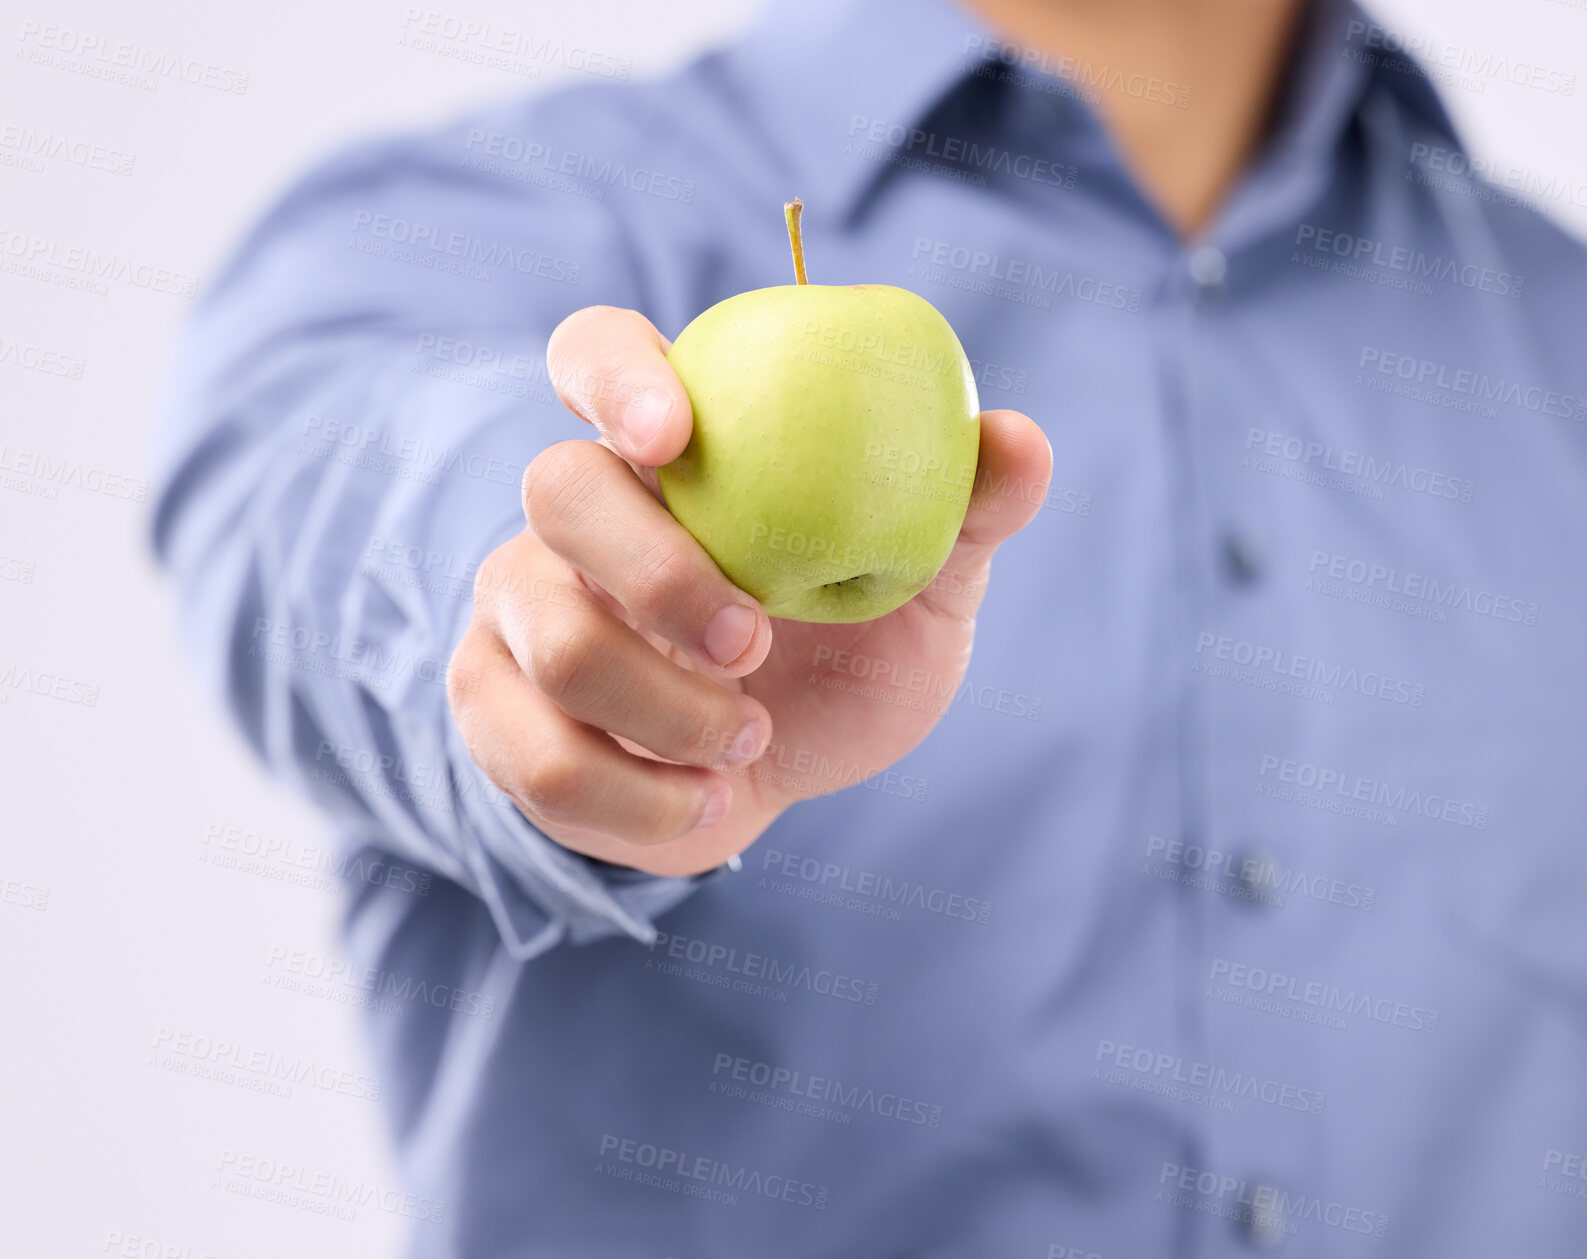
(142, 937)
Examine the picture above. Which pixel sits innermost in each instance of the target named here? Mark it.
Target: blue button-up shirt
(1240, 896)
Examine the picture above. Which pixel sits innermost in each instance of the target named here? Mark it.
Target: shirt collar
(1340, 58)
(824, 71)
(1334, 72)
(818, 67)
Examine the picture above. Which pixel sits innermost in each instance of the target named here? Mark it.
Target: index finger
(609, 366)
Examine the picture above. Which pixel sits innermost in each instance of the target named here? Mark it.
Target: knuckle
(656, 826)
(561, 486)
(611, 383)
(525, 483)
(665, 809)
(489, 578)
(717, 726)
(659, 582)
(701, 728)
(463, 671)
(560, 655)
(552, 784)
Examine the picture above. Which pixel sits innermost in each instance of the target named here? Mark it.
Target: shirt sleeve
(354, 404)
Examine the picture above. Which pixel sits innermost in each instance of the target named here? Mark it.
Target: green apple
(836, 431)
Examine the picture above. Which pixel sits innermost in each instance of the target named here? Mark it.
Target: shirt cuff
(538, 892)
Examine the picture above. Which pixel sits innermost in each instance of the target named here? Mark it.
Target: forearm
(332, 479)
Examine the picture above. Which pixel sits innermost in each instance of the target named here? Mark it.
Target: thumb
(1013, 469)
(1011, 477)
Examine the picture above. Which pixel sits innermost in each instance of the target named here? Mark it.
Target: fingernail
(716, 806)
(645, 414)
(730, 633)
(747, 745)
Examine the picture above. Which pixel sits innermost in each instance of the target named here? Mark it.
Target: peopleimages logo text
(666, 1161)
(960, 152)
(1081, 76)
(589, 167)
(291, 1179)
(1479, 66)
(1411, 262)
(823, 1089)
(466, 247)
(1448, 595)
(1356, 463)
(1375, 791)
(1021, 273)
(1262, 658)
(758, 966)
(1470, 383)
(1327, 997)
(1209, 1186)
(867, 883)
(1202, 1075)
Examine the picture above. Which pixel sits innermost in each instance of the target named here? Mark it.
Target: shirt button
(1250, 876)
(1208, 266)
(1242, 561)
(1261, 1224)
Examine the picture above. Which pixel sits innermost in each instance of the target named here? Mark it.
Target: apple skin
(836, 432)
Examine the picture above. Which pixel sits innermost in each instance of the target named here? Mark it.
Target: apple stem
(791, 210)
